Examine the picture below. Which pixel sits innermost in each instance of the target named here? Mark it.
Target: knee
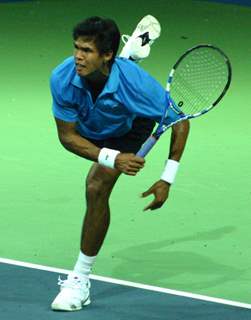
(97, 189)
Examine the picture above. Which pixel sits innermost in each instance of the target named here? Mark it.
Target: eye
(83, 49)
(86, 49)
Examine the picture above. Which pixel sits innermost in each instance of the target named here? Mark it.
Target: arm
(178, 140)
(74, 143)
(160, 189)
(127, 163)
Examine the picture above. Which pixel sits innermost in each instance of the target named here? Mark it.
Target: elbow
(182, 127)
(65, 140)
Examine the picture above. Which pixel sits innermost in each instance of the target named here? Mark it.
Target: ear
(108, 56)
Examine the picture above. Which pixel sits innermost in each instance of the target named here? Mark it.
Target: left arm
(178, 140)
(160, 189)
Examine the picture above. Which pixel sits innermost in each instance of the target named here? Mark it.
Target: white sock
(84, 265)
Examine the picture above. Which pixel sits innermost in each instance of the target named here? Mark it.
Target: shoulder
(134, 76)
(63, 74)
(128, 67)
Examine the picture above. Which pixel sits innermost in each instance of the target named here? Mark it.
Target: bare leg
(99, 184)
(75, 290)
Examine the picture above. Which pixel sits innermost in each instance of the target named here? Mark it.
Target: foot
(137, 46)
(74, 294)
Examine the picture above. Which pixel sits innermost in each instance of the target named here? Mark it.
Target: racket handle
(146, 147)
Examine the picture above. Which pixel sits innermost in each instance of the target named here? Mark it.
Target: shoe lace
(73, 283)
(145, 38)
(125, 38)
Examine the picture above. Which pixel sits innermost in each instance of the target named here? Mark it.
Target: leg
(99, 184)
(74, 292)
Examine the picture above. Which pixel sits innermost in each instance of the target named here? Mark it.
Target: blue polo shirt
(129, 92)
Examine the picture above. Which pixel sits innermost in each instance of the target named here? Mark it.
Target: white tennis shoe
(137, 46)
(74, 294)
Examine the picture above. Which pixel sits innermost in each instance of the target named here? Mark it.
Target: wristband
(170, 171)
(107, 157)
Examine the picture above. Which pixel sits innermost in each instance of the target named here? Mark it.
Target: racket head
(199, 80)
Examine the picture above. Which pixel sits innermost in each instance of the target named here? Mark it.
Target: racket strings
(186, 92)
(199, 79)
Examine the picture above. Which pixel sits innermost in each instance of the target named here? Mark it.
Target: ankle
(84, 265)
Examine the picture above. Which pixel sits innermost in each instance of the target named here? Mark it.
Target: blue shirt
(129, 92)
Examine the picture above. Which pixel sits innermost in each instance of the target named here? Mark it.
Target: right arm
(127, 163)
(73, 142)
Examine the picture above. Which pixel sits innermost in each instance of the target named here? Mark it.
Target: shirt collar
(76, 81)
(111, 85)
(113, 80)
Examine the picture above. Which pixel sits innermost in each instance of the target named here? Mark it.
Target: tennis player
(105, 107)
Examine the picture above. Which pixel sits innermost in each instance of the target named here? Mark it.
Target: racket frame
(150, 142)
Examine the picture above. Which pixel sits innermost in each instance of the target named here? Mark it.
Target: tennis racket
(198, 81)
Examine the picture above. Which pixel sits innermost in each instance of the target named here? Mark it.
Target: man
(105, 108)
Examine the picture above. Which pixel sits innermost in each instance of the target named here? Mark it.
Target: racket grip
(146, 147)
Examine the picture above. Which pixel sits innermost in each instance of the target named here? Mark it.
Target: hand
(160, 190)
(128, 163)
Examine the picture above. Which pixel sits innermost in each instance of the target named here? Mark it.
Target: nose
(78, 54)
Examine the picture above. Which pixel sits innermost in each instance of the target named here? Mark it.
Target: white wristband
(170, 171)
(107, 157)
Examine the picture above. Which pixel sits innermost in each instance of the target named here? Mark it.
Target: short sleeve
(144, 96)
(170, 115)
(61, 109)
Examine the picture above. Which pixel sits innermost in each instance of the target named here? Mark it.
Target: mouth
(80, 66)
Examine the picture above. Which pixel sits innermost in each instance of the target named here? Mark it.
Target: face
(88, 59)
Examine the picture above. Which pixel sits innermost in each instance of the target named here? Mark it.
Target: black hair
(104, 32)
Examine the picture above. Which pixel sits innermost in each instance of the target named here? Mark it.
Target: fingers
(129, 164)
(138, 159)
(155, 204)
(131, 172)
(160, 192)
(136, 163)
(133, 168)
(146, 193)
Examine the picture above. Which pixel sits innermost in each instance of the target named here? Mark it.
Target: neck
(96, 77)
(96, 82)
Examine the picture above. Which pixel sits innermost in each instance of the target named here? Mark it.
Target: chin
(82, 73)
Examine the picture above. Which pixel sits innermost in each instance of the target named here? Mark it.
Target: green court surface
(200, 240)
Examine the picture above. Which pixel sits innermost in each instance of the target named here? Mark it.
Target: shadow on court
(27, 293)
(177, 263)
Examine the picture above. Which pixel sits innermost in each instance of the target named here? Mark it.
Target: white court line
(131, 284)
